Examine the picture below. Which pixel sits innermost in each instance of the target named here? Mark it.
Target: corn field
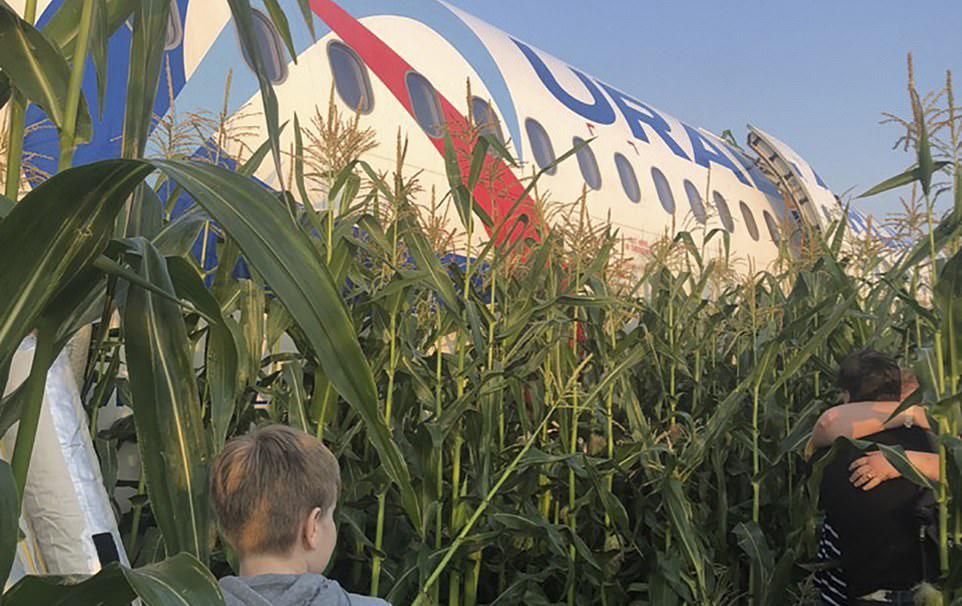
(524, 422)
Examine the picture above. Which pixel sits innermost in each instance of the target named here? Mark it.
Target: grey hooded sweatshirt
(290, 590)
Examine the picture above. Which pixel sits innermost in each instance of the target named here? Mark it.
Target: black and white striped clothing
(830, 582)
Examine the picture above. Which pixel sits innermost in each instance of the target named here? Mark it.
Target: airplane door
(808, 200)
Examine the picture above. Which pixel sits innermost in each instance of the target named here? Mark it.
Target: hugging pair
(875, 546)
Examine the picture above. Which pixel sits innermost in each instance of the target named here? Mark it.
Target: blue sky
(817, 73)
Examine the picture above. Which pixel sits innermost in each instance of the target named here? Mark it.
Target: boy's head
(274, 491)
(870, 376)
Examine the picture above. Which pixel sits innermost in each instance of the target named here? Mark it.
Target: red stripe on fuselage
(498, 189)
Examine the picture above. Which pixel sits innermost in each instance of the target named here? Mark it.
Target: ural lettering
(637, 114)
(599, 110)
(707, 153)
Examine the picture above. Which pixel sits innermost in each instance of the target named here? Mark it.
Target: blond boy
(274, 491)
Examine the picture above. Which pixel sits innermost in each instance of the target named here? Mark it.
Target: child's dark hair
(870, 376)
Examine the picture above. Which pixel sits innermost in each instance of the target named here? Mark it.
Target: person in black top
(876, 518)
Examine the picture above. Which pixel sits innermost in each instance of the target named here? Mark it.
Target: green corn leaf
(551, 167)
(911, 175)
(838, 236)
(426, 259)
(107, 455)
(894, 454)
(913, 399)
(293, 376)
(38, 70)
(31, 401)
(176, 238)
(660, 591)
(478, 156)
(170, 430)
(680, 516)
(281, 25)
(900, 461)
(5, 89)
(801, 431)
(948, 300)
(105, 386)
(459, 193)
(278, 322)
(175, 581)
(957, 198)
(257, 158)
(613, 507)
(533, 525)
(52, 233)
(755, 546)
(189, 286)
(146, 213)
(308, 14)
(500, 150)
(287, 260)
(110, 267)
(225, 286)
(9, 520)
(11, 408)
(251, 305)
(953, 452)
(75, 305)
(223, 351)
(244, 21)
(924, 149)
(345, 188)
(780, 580)
(146, 58)
(817, 340)
(64, 25)
(947, 229)
(99, 41)
(299, 163)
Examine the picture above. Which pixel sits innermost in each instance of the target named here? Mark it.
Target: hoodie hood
(290, 590)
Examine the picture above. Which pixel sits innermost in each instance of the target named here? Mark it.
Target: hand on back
(871, 470)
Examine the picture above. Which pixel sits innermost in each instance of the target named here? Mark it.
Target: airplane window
(663, 188)
(724, 214)
(350, 77)
(749, 221)
(696, 202)
(271, 48)
(629, 180)
(427, 108)
(486, 119)
(541, 146)
(772, 226)
(175, 29)
(588, 164)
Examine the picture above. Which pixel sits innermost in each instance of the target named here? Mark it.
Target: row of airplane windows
(354, 88)
(353, 85)
(544, 156)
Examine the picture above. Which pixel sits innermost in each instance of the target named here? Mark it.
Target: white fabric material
(64, 503)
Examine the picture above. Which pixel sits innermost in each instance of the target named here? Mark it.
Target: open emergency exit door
(810, 202)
